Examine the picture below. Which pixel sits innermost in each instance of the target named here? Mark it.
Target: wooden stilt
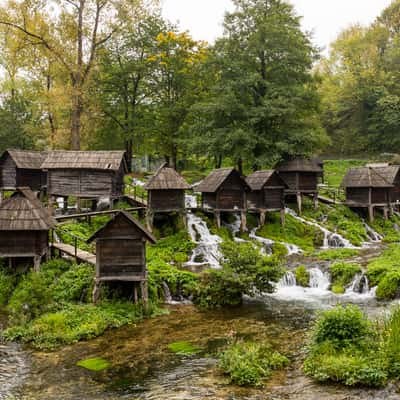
(1, 196)
(243, 220)
(371, 213)
(298, 196)
(283, 217)
(36, 263)
(218, 219)
(78, 204)
(135, 292)
(96, 291)
(149, 220)
(65, 204)
(145, 293)
(315, 201)
(262, 218)
(50, 205)
(184, 219)
(385, 213)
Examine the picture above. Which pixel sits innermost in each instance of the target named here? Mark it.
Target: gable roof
(300, 165)
(100, 160)
(216, 178)
(364, 177)
(26, 159)
(257, 180)
(166, 178)
(389, 172)
(131, 220)
(24, 212)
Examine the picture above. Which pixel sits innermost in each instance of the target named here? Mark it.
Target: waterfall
(318, 279)
(207, 251)
(234, 227)
(267, 244)
(190, 201)
(360, 285)
(167, 292)
(331, 239)
(288, 280)
(137, 182)
(374, 236)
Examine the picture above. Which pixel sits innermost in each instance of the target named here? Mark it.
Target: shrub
(389, 286)
(391, 342)
(388, 261)
(343, 273)
(302, 276)
(341, 326)
(337, 254)
(7, 283)
(247, 364)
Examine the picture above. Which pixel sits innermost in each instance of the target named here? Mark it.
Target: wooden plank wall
(8, 174)
(167, 200)
(23, 242)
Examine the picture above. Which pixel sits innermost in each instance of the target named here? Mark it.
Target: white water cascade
(190, 201)
(207, 250)
(331, 239)
(374, 236)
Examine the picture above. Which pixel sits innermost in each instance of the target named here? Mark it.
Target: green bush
(7, 283)
(342, 274)
(302, 276)
(341, 326)
(247, 364)
(391, 342)
(337, 254)
(389, 287)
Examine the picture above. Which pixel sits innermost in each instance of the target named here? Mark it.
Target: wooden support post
(218, 218)
(371, 213)
(316, 201)
(36, 263)
(50, 205)
(65, 204)
(145, 293)
(283, 217)
(1, 196)
(78, 204)
(262, 218)
(149, 220)
(96, 291)
(184, 218)
(298, 196)
(243, 220)
(93, 206)
(391, 210)
(385, 213)
(135, 292)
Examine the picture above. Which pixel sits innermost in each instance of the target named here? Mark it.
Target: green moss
(337, 254)
(342, 274)
(389, 287)
(302, 276)
(94, 364)
(337, 289)
(184, 348)
(305, 236)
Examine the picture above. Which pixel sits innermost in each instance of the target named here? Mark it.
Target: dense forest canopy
(101, 74)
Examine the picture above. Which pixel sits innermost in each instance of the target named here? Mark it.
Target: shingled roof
(100, 160)
(166, 178)
(364, 177)
(215, 179)
(257, 180)
(26, 159)
(24, 212)
(389, 172)
(131, 220)
(299, 165)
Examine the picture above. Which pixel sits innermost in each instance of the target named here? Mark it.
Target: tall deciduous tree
(264, 105)
(71, 32)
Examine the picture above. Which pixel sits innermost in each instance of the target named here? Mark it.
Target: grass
(94, 364)
(335, 170)
(336, 254)
(184, 348)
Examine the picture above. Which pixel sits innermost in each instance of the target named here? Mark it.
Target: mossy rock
(337, 289)
(302, 276)
(94, 364)
(389, 287)
(184, 348)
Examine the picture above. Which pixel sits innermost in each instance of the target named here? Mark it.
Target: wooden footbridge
(74, 252)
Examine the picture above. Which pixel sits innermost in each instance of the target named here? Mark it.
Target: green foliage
(247, 364)
(94, 364)
(302, 276)
(391, 342)
(7, 283)
(244, 270)
(337, 254)
(387, 228)
(184, 348)
(74, 323)
(305, 236)
(342, 274)
(344, 348)
(341, 326)
(335, 170)
(384, 272)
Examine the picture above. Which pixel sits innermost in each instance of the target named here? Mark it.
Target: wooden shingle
(215, 179)
(257, 180)
(365, 177)
(300, 165)
(166, 178)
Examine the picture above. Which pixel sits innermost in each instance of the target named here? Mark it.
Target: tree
(264, 105)
(71, 32)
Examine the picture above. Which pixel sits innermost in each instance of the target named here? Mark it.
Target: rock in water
(104, 203)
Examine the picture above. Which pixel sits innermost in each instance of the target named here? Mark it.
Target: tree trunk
(240, 166)
(128, 154)
(174, 156)
(76, 119)
(218, 161)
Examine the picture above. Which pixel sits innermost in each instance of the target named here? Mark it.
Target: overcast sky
(326, 18)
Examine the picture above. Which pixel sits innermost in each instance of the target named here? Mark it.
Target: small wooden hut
(166, 193)
(22, 168)
(365, 187)
(24, 227)
(391, 173)
(85, 174)
(224, 190)
(121, 253)
(267, 193)
(302, 176)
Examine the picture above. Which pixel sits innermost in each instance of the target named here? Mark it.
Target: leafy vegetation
(337, 254)
(248, 364)
(344, 348)
(342, 274)
(94, 364)
(302, 276)
(335, 170)
(184, 348)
